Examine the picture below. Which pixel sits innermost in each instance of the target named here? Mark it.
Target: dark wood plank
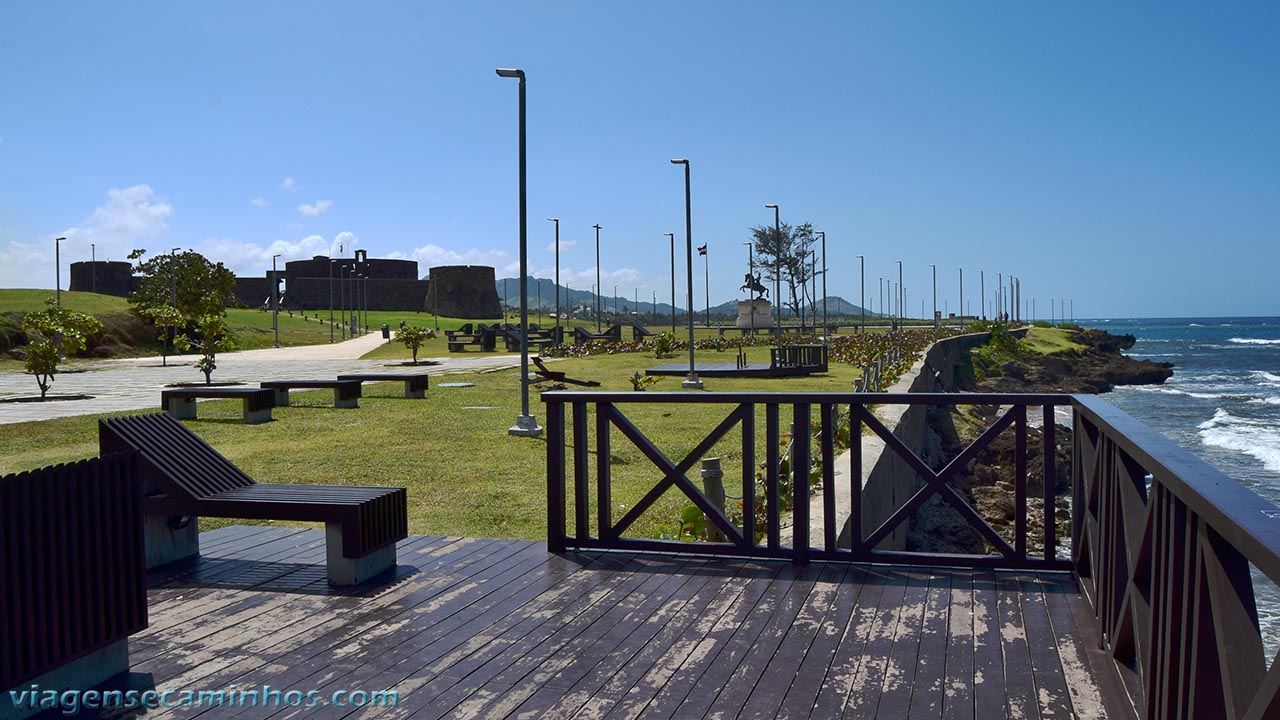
(927, 693)
(768, 695)
(880, 631)
(903, 657)
(838, 685)
(1096, 692)
(988, 655)
(1019, 685)
(1046, 667)
(957, 703)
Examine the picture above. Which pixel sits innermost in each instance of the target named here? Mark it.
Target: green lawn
(465, 475)
(1047, 341)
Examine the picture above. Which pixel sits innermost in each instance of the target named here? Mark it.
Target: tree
(412, 337)
(167, 319)
(51, 332)
(211, 337)
(784, 256)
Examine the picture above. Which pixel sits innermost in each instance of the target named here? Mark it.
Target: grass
(1051, 341)
(465, 475)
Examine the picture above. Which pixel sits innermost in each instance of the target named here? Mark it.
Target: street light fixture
(934, 268)
(557, 222)
(599, 287)
(672, 236)
(777, 277)
(57, 268)
(824, 284)
(960, 307)
(526, 424)
(93, 267)
(275, 300)
(902, 294)
(692, 381)
(862, 292)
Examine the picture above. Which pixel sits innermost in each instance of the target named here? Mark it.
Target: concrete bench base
(167, 541)
(182, 403)
(282, 399)
(78, 675)
(349, 571)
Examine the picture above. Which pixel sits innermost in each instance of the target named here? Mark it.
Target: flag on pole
(702, 250)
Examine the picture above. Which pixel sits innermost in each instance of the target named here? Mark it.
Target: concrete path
(133, 383)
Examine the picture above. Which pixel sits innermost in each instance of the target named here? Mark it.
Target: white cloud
(584, 279)
(130, 218)
(258, 202)
(564, 245)
(429, 256)
(252, 259)
(315, 209)
(288, 184)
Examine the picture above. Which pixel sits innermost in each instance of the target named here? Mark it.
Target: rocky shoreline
(988, 483)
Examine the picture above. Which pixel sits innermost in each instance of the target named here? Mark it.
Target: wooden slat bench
(346, 393)
(415, 385)
(181, 402)
(184, 478)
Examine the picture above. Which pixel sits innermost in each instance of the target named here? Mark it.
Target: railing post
(800, 484)
(555, 476)
(581, 455)
(713, 488)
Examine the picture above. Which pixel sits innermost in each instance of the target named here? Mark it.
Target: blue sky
(1126, 156)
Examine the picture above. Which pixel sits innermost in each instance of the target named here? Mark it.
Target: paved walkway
(134, 383)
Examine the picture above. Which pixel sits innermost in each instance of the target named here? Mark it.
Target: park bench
(545, 374)
(346, 393)
(538, 339)
(638, 332)
(184, 478)
(181, 402)
(415, 384)
(582, 335)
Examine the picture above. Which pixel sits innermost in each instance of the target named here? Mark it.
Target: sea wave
(1253, 341)
(1273, 400)
(1265, 377)
(1251, 437)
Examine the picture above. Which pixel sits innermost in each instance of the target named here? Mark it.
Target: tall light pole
(881, 297)
(862, 292)
(57, 268)
(93, 268)
(902, 294)
(599, 287)
(672, 237)
(824, 284)
(615, 303)
(526, 424)
(777, 276)
(275, 300)
(751, 270)
(706, 282)
(960, 307)
(934, 267)
(557, 222)
(692, 381)
(982, 293)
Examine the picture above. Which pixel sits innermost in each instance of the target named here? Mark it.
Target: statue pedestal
(755, 314)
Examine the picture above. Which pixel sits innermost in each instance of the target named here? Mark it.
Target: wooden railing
(1163, 547)
(1166, 549)
(811, 356)
(72, 576)
(568, 419)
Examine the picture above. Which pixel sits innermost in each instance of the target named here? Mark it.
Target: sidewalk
(134, 383)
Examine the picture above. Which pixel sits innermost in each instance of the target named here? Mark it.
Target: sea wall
(887, 480)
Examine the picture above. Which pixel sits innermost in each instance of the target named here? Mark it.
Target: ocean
(1222, 404)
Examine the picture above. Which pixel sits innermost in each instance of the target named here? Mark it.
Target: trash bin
(386, 331)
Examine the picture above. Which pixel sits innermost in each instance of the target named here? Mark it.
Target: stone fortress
(462, 291)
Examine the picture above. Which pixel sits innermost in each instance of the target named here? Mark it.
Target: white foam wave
(1195, 325)
(1273, 400)
(1253, 341)
(1265, 377)
(1251, 437)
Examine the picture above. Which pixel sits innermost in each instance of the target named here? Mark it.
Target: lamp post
(692, 381)
(706, 282)
(672, 237)
(331, 297)
(653, 309)
(882, 297)
(902, 294)
(275, 300)
(526, 424)
(934, 268)
(862, 292)
(599, 287)
(93, 268)
(824, 284)
(960, 307)
(982, 293)
(615, 303)
(557, 222)
(57, 268)
(777, 276)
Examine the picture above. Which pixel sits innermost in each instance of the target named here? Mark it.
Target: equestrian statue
(757, 288)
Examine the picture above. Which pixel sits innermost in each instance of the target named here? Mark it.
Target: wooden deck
(502, 628)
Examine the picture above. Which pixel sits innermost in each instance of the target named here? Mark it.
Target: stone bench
(415, 385)
(346, 393)
(181, 402)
